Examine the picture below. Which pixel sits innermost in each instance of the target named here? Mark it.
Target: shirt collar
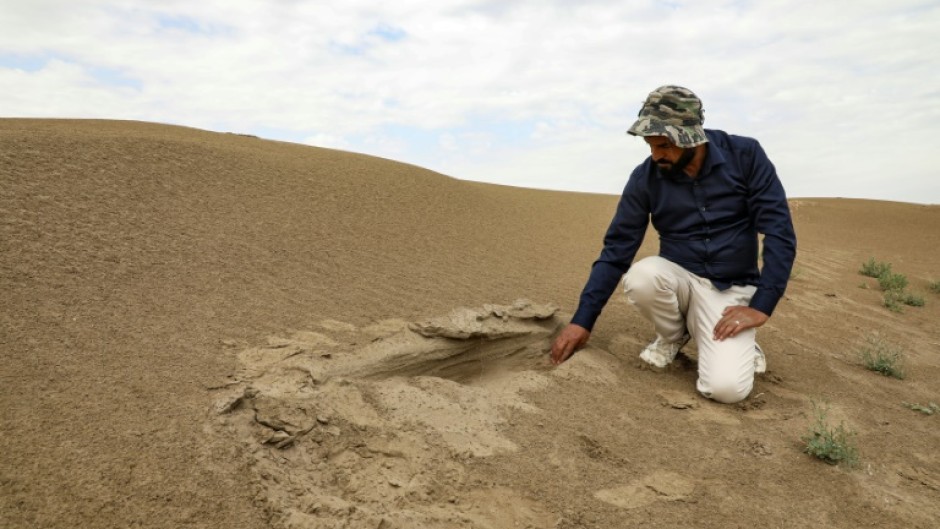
(714, 157)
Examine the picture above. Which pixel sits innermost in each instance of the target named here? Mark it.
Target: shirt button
(708, 240)
(703, 208)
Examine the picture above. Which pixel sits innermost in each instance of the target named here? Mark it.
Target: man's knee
(645, 278)
(726, 390)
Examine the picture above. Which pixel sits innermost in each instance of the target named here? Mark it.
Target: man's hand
(738, 318)
(569, 340)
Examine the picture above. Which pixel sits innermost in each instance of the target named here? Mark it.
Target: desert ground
(212, 330)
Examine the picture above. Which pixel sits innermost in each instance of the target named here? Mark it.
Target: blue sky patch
(382, 33)
(102, 74)
(182, 23)
(179, 22)
(27, 63)
(113, 77)
(348, 49)
(388, 33)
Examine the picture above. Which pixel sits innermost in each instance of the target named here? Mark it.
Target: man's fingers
(570, 338)
(728, 326)
(565, 352)
(738, 318)
(726, 331)
(557, 348)
(721, 331)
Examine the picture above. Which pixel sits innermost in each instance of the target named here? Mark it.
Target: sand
(217, 331)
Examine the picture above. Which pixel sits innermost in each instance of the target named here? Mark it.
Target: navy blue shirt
(708, 225)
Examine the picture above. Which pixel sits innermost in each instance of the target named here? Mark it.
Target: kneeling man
(709, 194)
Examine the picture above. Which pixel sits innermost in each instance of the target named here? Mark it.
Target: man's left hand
(738, 318)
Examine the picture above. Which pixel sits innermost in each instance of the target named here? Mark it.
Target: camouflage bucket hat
(674, 112)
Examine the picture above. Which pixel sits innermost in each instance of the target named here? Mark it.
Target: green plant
(912, 299)
(873, 268)
(934, 286)
(893, 285)
(831, 445)
(892, 301)
(929, 409)
(894, 298)
(882, 357)
(891, 281)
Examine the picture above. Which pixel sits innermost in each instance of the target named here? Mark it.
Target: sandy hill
(212, 330)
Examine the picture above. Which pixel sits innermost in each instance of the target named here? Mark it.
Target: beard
(675, 170)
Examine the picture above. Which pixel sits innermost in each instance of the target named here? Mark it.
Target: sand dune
(214, 330)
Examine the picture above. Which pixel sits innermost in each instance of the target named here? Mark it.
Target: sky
(843, 96)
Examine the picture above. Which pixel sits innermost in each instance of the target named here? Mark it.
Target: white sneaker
(661, 353)
(760, 361)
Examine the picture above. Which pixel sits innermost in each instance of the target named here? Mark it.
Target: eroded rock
(491, 321)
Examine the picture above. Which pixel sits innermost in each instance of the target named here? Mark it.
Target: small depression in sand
(371, 427)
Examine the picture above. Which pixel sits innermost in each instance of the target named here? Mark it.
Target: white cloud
(330, 141)
(537, 93)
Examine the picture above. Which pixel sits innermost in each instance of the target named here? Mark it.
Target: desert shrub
(892, 301)
(893, 285)
(912, 299)
(882, 357)
(934, 286)
(929, 409)
(891, 281)
(873, 268)
(833, 445)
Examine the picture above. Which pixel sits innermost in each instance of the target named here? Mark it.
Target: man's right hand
(569, 340)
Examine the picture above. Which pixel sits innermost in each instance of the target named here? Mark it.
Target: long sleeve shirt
(709, 225)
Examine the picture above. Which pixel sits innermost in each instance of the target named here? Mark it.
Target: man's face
(670, 160)
(664, 153)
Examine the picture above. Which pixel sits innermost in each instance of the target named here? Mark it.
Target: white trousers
(677, 301)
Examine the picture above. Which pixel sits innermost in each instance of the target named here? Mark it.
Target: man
(708, 194)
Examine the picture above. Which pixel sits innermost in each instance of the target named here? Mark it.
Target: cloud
(327, 140)
(526, 93)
